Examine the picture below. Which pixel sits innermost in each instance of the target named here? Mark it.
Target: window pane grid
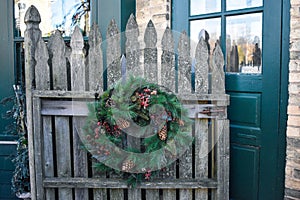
(240, 32)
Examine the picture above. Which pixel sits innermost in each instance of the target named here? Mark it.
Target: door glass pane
(55, 14)
(244, 43)
(240, 4)
(213, 31)
(198, 7)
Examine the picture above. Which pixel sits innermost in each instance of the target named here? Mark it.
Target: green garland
(143, 113)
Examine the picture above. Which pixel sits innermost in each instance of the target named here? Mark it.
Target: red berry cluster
(145, 96)
(110, 129)
(148, 175)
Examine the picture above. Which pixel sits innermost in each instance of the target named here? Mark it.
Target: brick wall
(159, 11)
(292, 171)
(156, 10)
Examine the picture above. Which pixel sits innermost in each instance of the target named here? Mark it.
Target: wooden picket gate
(59, 81)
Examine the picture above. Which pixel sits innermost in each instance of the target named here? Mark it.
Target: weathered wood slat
(213, 158)
(113, 53)
(151, 73)
(218, 75)
(120, 183)
(37, 123)
(169, 174)
(201, 125)
(63, 154)
(95, 71)
(42, 70)
(133, 51)
(201, 154)
(201, 68)
(48, 154)
(31, 36)
(56, 46)
(168, 60)
(150, 53)
(168, 80)
(184, 85)
(77, 61)
(78, 84)
(95, 60)
(99, 194)
(185, 172)
(80, 156)
(184, 64)
(222, 128)
(134, 193)
(135, 143)
(116, 194)
(152, 194)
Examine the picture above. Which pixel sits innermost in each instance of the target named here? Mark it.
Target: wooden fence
(59, 80)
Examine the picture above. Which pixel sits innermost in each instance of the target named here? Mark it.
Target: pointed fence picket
(60, 80)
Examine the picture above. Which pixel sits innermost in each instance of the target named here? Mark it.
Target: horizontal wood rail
(115, 183)
(79, 108)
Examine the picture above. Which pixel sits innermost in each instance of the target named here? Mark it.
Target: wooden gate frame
(53, 110)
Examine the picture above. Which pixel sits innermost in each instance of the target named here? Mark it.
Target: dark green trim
(7, 60)
(94, 11)
(226, 13)
(223, 30)
(180, 15)
(106, 11)
(243, 82)
(127, 8)
(6, 171)
(119, 10)
(270, 109)
(282, 121)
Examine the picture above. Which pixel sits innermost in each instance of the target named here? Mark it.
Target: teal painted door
(254, 42)
(7, 144)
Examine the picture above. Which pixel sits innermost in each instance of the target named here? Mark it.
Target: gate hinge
(206, 111)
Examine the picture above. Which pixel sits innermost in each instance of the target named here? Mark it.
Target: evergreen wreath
(141, 111)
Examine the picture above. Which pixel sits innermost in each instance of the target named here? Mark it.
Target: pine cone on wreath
(122, 123)
(127, 165)
(163, 133)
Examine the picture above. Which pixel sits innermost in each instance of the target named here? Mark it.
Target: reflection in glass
(243, 43)
(63, 15)
(240, 4)
(212, 34)
(198, 7)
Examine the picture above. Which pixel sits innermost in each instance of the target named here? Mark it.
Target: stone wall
(292, 176)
